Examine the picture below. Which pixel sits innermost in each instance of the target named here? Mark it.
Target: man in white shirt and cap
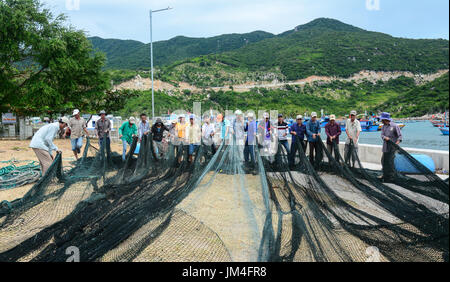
(353, 130)
(77, 127)
(42, 143)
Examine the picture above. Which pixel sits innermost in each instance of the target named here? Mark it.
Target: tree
(45, 67)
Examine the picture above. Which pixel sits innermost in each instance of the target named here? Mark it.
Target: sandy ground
(21, 154)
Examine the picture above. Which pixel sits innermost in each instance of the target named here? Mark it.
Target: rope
(13, 176)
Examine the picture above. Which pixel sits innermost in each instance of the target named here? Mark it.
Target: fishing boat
(369, 126)
(444, 130)
(324, 122)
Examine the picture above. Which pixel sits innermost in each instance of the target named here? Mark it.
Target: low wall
(373, 154)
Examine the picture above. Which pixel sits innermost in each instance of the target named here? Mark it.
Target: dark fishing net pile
(219, 208)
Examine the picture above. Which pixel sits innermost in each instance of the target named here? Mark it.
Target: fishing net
(217, 207)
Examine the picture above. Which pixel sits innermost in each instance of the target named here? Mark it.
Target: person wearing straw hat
(126, 132)
(353, 130)
(158, 135)
(298, 132)
(313, 132)
(42, 143)
(102, 131)
(390, 132)
(77, 127)
(333, 131)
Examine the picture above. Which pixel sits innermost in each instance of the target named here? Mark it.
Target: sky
(129, 19)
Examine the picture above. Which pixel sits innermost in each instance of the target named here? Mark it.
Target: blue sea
(416, 134)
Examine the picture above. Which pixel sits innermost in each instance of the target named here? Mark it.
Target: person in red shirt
(333, 131)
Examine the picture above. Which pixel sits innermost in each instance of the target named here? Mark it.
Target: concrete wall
(372, 154)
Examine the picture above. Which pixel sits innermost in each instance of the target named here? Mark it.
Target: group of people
(244, 134)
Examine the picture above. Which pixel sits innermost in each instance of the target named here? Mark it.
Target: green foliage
(330, 48)
(430, 98)
(336, 97)
(45, 67)
(129, 54)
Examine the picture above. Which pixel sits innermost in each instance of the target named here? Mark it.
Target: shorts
(76, 143)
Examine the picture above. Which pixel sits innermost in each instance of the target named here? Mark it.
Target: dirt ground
(20, 154)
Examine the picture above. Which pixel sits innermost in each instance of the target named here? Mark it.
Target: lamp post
(151, 55)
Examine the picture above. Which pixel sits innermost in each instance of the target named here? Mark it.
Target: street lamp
(151, 55)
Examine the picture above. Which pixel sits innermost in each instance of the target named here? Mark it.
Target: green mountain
(328, 47)
(323, 47)
(133, 55)
(429, 98)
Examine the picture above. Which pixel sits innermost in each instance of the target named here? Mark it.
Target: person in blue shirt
(250, 141)
(313, 132)
(298, 131)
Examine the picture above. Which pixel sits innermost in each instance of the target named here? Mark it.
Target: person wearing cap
(194, 137)
(283, 131)
(102, 131)
(313, 133)
(144, 127)
(42, 143)
(180, 129)
(251, 128)
(390, 132)
(77, 128)
(333, 131)
(126, 132)
(353, 130)
(298, 132)
(208, 133)
(158, 130)
(265, 133)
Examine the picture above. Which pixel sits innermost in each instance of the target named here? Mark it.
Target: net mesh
(217, 207)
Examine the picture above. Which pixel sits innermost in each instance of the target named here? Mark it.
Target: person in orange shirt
(180, 129)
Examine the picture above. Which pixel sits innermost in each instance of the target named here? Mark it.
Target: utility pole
(151, 55)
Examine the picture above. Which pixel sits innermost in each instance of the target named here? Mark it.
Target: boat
(324, 122)
(444, 130)
(369, 126)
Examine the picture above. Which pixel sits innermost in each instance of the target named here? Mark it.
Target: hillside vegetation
(134, 55)
(324, 47)
(335, 98)
(429, 98)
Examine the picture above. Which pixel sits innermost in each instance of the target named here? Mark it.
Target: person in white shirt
(353, 130)
(208, 132)
(42, 143)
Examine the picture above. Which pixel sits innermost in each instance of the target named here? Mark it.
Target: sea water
(416, 134)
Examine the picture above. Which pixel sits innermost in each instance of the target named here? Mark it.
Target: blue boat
(369, 126)
(444, 131)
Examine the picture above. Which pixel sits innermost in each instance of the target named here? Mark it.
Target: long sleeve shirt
(127, 132)
(43, 139)
(103, 128)
(143, 128)
(393, 132)
(311, 129)
(251, 129)
(333, 130)
(158, 133)
(300, 131)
